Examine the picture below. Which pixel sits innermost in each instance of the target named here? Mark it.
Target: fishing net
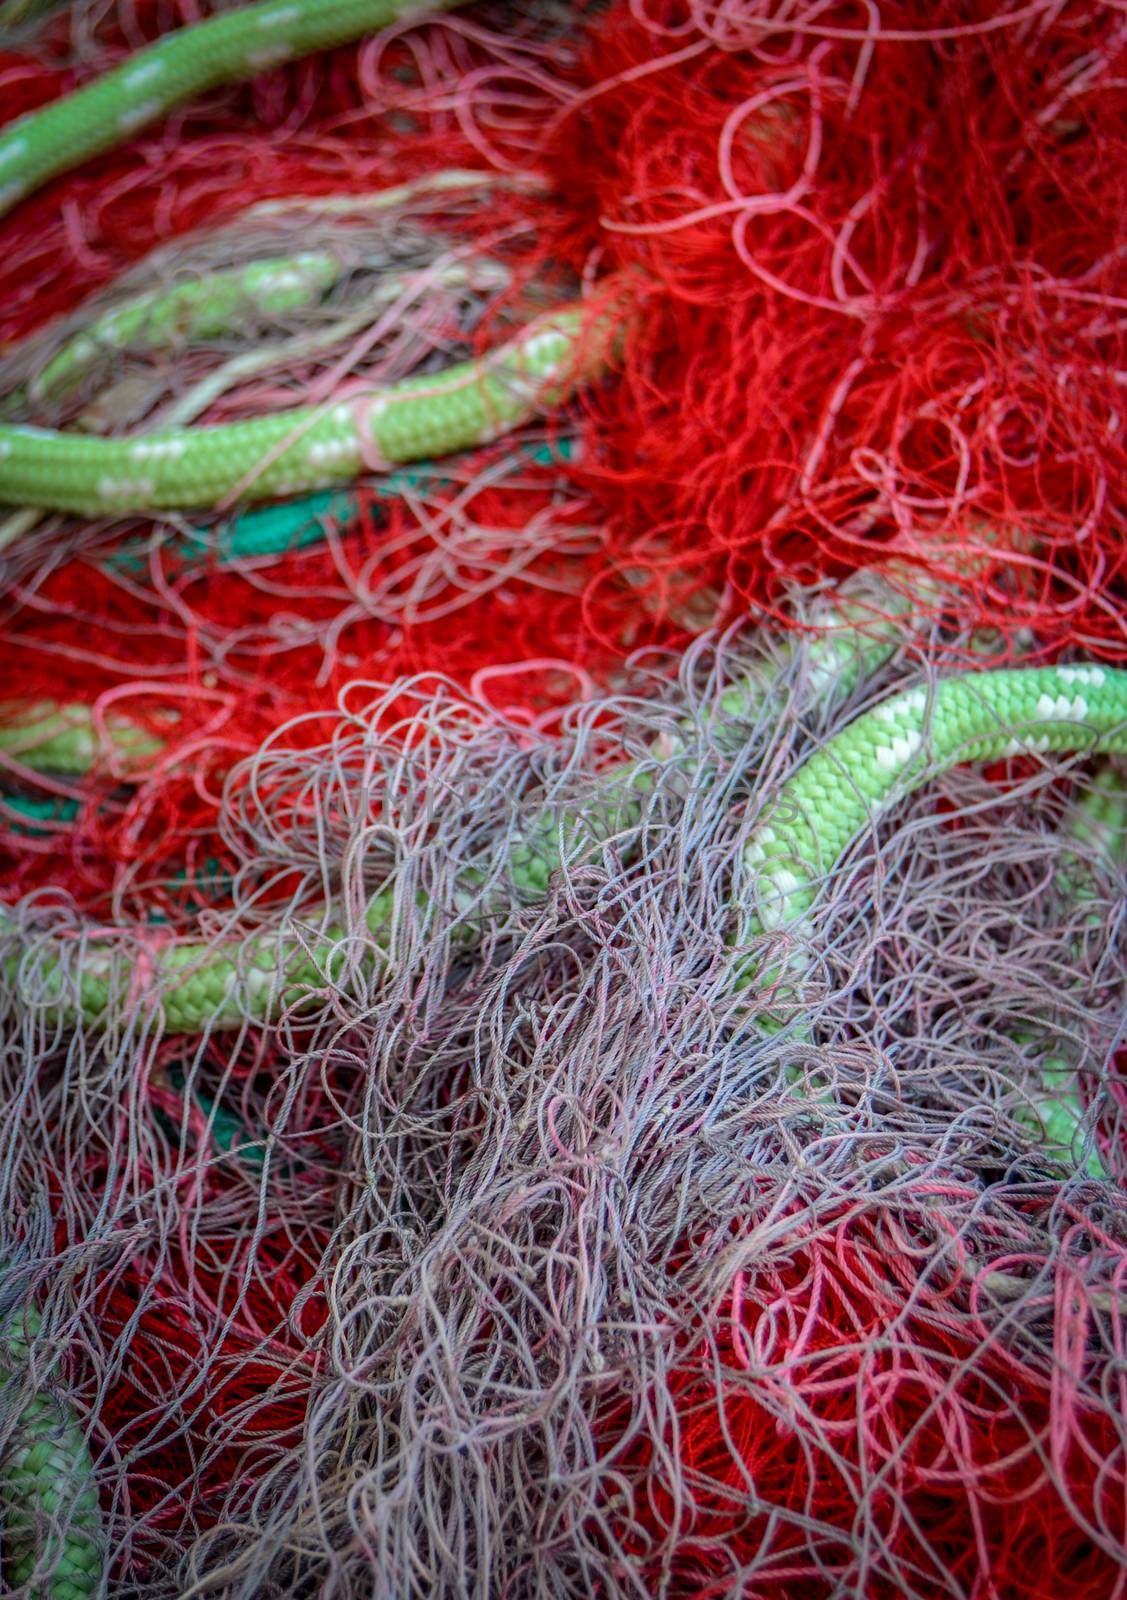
(528, 1251)
(531, 1262)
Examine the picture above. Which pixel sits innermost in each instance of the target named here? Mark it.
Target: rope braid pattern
(286, 454)
(289, 453)
(197, 309)
(47, 1477)
(186, 63)
(839, 791)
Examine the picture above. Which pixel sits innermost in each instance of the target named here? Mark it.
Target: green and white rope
(49, 1516)
(293, 452)
(199, 308)
(185, 63)
(893, 749)
(838, 792)
(288, 453)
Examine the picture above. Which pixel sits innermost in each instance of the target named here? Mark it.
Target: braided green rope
(217, 301)
(896, 747)
(48, 1496)
(471, 403)
(65, 738)
(1097, 820)
(854, 639)
(201, 308)
(882, 756)
(226, 49)
(285, 454)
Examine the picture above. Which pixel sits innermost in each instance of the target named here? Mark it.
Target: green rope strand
(188, 62)
(274, 456)
(65, 739)
(1098, 821)
(896, 747)
(200, 308)
(292, 452)
(294, 525)
(837, 793)
(48, 1496)
(887, 754)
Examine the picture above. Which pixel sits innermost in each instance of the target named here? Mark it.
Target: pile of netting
(529, 1261)
(838, 354)
(476, 1121)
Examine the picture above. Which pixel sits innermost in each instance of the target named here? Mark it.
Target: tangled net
(884, 270)
(531, 1262)
(841, 355)
(536, 1264)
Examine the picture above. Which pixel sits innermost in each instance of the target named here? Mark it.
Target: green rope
(201, 308)
(188, 62)
(891, 751)
(1098, 821)
(293, 452)
(286, 453)
(65, 739)
(48, 1495)
(837, 793)
(300, 524)
(896, 747)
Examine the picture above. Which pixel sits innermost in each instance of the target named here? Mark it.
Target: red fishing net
(885, 252)
(847, 1386)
